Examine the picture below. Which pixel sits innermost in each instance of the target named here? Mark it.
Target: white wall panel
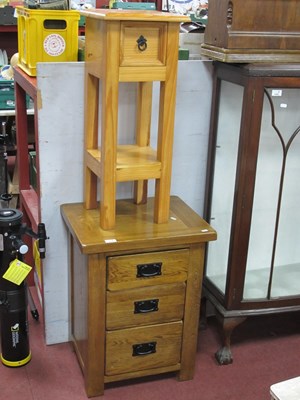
(61, 124)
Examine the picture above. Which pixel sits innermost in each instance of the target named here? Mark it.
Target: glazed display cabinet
(253, 194)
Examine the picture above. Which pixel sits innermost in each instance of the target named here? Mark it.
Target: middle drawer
(142, 306)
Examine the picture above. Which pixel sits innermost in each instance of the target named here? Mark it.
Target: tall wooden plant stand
(129, 46)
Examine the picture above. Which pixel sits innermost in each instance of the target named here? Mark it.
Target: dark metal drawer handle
(145, 306)
(148, 270)
(143, 349)
(142, 43)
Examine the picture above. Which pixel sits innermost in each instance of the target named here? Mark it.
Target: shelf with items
(12, 113)
(9, 38)
(26, 134)
(10, 185)
(29, 197)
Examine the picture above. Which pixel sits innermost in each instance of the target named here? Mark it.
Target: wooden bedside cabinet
(135, 291)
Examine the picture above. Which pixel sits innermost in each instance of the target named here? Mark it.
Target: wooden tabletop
(134, 15)
(135, 228)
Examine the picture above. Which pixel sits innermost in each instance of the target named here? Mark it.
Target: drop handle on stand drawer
(142, 43)
(148, 270)
(145, 306)
(143, 349)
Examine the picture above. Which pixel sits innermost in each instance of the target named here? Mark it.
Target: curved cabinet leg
(223, 355)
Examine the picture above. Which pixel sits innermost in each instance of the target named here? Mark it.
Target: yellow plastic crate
(46, 36)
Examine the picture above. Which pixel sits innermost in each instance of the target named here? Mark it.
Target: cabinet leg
(223, 355)
(191, 313)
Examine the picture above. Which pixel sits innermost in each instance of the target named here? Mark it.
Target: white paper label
(54, 45)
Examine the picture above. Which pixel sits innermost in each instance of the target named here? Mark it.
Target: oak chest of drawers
(135, 291)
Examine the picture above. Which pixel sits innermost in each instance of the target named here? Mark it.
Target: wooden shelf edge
(26, 82)
(133, 163)
(9, 28)
(12, 113)
(30, 204)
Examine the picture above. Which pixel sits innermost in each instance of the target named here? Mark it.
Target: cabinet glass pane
(229, 120)
(273, 263)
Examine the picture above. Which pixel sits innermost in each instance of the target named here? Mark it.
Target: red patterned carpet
(266, 350)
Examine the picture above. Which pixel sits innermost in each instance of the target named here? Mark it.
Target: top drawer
(143, 43)
(147, 269)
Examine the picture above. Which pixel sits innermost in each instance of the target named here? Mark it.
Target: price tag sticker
(17, 272)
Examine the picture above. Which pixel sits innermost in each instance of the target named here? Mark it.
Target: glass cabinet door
(273, 260)
(227, 142)
(253, 195)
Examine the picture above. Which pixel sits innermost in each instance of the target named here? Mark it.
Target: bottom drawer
(134, 349)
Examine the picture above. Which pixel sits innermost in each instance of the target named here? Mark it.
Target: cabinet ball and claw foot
(224, 355)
